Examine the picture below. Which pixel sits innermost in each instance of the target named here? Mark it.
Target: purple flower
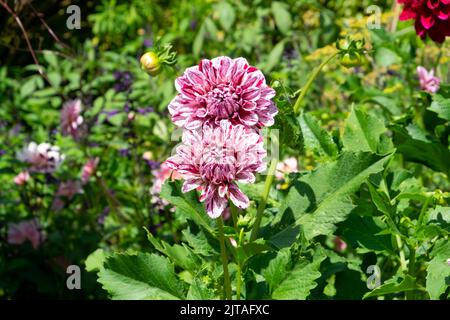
(124, 80)
(125, 152)
(103, 215)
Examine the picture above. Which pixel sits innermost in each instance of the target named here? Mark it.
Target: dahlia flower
(71, 119)
(428, 81)
(222, 88)
(20, 232)
(22, 178)
(431, 17)
(214, 159)
(88, 169)
(42, 157)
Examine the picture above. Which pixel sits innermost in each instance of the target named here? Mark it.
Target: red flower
(432, 17)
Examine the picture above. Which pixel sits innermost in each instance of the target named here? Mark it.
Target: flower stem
(308, 84)
(234, 215)
(223, 252)
(262, 204)
(411, 270)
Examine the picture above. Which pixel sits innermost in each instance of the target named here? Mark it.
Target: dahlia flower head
(20, 232)
(43, 157)
(214, 158)
(71, 119)
(432, 17)
(222, 88)
(428, 81)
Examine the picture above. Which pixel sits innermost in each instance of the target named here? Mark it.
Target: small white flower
(42, 157)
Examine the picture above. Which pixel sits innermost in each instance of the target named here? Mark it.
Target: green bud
(351, 59)
(151, 63)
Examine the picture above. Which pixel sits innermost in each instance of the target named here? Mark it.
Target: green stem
(265, 195)
(401, 253)
(411, 270)
(238, 282)
(223, 253)
(308, 84)
(234, 215)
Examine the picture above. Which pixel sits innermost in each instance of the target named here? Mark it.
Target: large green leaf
(420, 148)
(441, 106)
(394, 285)
(316, 138)
(362, 131)
(140, 276)
(297, 282)
(438, 271)
(282, 16)
(320, 199)
(187, 203)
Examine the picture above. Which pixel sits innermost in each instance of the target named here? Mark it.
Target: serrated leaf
(187, 202)
(395, 285)
(298, 282)
(199, 291)
(441, 106)
(319, 200)
(438, 270)
(362, 131)
(140, 276)
(316, 138)
(94, 262)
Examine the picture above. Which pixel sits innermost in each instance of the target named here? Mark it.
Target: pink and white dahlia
(71, 118)
(42, 157)
(217, 157)
(20, 232)
(222, 88)
(89, 169)
(428, 81)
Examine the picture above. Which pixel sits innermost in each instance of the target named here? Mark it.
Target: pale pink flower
(71, 118)
(69, 189)
(286, 166)
(339, 244)
(22, 178)
(88, 169)
(41, 158)
(160, 176)
(222, 88)
(428, 81)
(214, 159)
(20, 232)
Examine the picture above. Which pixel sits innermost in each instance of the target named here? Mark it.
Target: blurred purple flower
(125, 152)
(124, 80)
(2, 152)
(103, 215)
(148, 42)
(145, 110)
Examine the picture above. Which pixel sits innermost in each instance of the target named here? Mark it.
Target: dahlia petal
(191, 184)
(215, 206)
(248, 118)
(427, 21)
(238, 197)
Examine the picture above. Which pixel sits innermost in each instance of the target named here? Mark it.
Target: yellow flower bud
(150, 63)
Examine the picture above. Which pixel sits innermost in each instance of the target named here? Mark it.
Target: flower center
(222, 102)
(217, 164)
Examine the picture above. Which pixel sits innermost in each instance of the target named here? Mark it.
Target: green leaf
(441, 106)
(274, 57)
(275, 271)
(282, 16)
(187, 202)
(227, 15)
(386, 57)
(181, 255)
(94, 262)
(438, 270)
(300, 280)
(362, 131)
(414, 148)
(321, 199)
(394, 285)
(140, 276)
(199, 291)
(316, 138)
(198, 41)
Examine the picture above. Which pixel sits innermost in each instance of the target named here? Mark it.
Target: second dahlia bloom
(42, 157)
(71, 118)
(428, 81)
(214, 159)
(222, 88)
(432, 17)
